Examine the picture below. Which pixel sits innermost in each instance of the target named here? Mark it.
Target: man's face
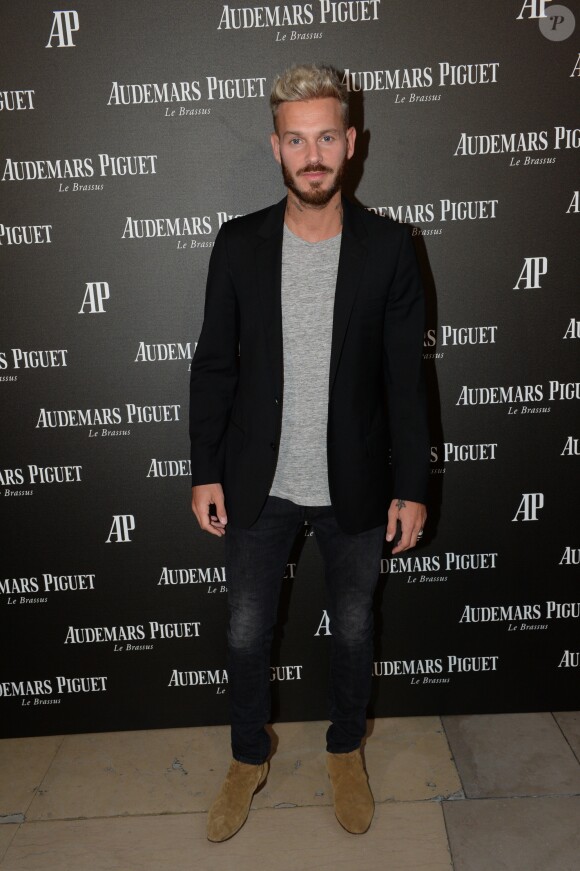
(312, 147)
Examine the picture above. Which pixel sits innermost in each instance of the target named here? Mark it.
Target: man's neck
(314, 223)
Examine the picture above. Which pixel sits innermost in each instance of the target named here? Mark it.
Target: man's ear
(350, 139)
(275, 141)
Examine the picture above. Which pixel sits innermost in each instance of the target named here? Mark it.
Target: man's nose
(313, 152)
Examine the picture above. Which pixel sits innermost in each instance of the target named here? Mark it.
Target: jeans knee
(353, 629)
(246, 631)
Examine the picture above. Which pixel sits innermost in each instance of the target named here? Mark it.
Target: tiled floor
(477, 793)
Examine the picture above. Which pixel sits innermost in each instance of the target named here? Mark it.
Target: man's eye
(295, 141)
(327, 138)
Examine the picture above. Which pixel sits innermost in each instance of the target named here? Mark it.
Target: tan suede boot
(230, 810)
(353, 801)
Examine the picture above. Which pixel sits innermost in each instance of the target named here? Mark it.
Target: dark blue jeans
(255, 564)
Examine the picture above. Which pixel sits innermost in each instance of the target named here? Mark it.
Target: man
(307, 367)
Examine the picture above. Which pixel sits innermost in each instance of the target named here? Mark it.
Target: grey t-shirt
(309, 271)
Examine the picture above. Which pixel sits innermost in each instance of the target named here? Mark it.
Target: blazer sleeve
(403, 367)
(214, 370)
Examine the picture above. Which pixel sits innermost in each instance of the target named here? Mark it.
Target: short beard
(315, 196)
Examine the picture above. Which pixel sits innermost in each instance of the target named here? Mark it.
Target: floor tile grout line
(387, 801)
(576, 757)
(45, 775)
(449, 847)
(526, 795)
(441, 802)
(9, 844)
(452, 755)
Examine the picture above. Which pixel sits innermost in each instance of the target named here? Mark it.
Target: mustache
(315, 167)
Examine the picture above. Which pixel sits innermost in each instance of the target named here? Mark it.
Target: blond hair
(308, 82)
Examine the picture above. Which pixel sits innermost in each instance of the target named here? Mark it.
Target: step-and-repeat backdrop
(131, 130)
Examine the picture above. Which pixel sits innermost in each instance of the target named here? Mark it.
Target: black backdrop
(130, 131)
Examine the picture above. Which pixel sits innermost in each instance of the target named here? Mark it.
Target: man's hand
(202, 497)
(412, 516)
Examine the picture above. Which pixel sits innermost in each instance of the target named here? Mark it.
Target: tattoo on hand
(401, 504)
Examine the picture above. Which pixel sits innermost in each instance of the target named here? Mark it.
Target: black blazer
(376, 391)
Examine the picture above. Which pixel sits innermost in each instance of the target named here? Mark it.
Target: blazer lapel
(268, 271)
(350, 270)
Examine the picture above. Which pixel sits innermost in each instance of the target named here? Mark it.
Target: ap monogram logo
(64, 24)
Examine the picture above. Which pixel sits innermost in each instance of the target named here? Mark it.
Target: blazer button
(276, 401)
(273, 445)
